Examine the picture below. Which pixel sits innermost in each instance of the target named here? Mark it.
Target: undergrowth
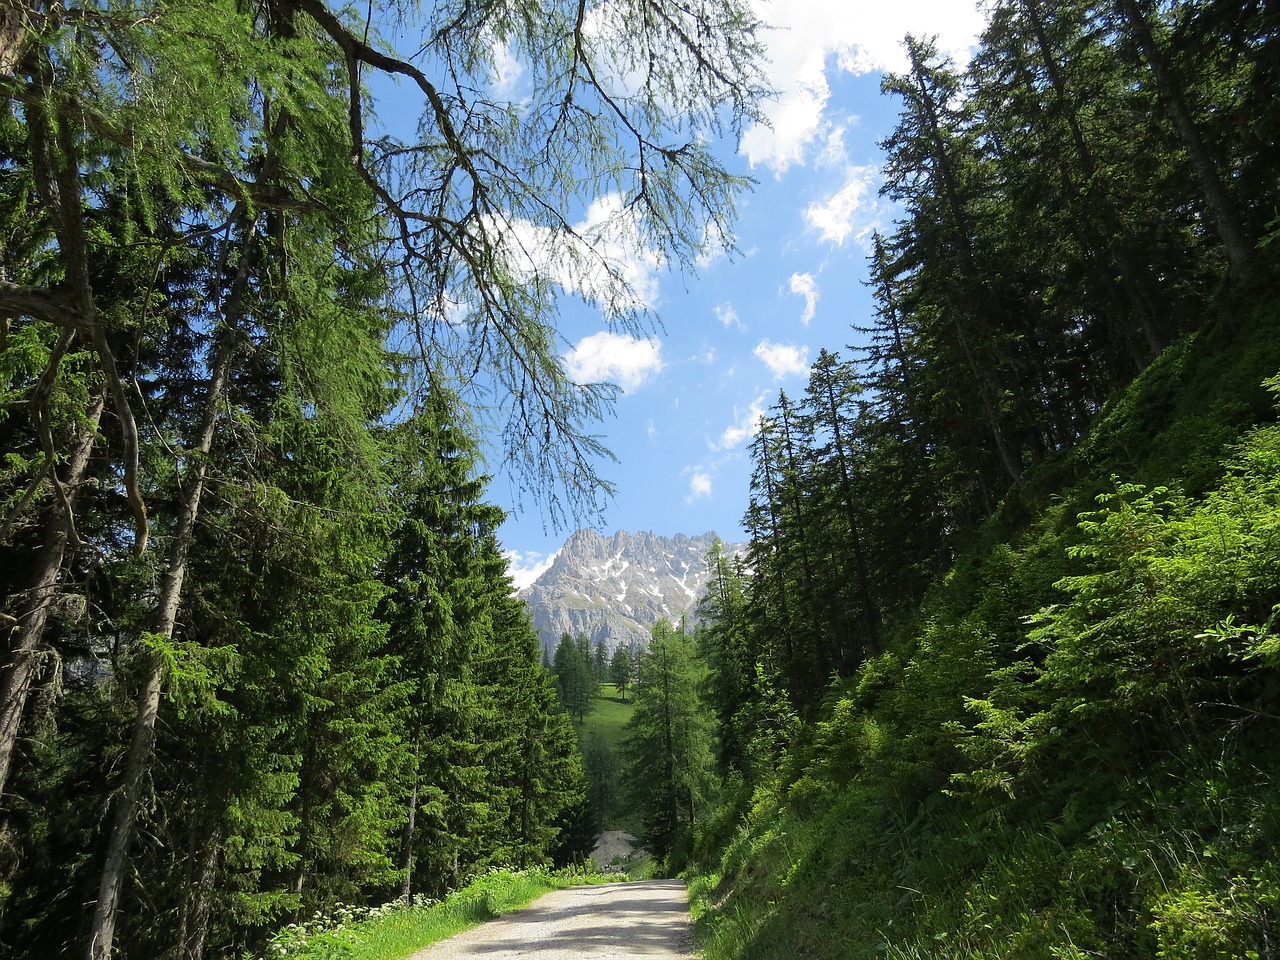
(1068, 752)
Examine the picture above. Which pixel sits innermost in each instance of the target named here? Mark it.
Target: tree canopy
(997, 677)
(231, 294)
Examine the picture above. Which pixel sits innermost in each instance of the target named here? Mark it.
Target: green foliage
(667, 751)
(1061, 455)
(621, 671)
(263, 650)
(1090, 781)
(575, 680)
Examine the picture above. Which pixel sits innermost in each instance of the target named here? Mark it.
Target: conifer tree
(830, 413)
(668, 747)
(573, 675)
(237, 142)
(600, 662)
(600, 767)
(1218, 201)
(621, 671)
(730, 650)
(534, 749)
(278, 139)
(440, 631)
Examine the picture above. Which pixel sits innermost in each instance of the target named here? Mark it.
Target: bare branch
(41, 303)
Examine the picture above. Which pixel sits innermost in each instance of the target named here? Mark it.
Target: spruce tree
(238, 143)
(534, 749)
(573, 676)
(440, 632)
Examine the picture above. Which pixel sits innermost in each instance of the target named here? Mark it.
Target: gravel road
(608, 922)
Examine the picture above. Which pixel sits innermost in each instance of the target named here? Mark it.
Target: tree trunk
(821, 643)
(406, 843)
(142, 741)
(1222, 209)
(869, 608)
(775, 545)
(199, 901)
(14, 17)
(989, 387)
(33, 611)
(1111, 239)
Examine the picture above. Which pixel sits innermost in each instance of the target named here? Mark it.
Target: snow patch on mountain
(615, 588)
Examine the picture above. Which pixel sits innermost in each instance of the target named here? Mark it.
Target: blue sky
(734, 331)
(738, 330)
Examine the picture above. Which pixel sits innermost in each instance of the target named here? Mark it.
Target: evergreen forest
(998, 678)
(261, 349)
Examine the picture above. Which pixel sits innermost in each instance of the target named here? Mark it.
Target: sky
(736, 330)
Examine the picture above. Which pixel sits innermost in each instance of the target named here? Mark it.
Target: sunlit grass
(607, 719)
(607, 716)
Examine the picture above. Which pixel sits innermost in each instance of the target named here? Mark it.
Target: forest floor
(648, 918)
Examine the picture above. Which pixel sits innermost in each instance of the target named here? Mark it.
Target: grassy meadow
(608, 715)
(606, 719)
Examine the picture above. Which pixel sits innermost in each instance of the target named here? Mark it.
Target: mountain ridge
(614, 587)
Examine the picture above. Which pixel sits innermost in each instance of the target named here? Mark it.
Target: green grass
(606, 719)
(608, 715)
(394, 931)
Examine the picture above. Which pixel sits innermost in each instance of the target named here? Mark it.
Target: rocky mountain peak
(615, 588)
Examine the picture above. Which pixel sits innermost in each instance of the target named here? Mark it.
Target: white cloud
(626, 361)
(604, 246)
(807, 287)
(745, 424)
(728, 317)
(700, 484)
(524, 568)
(795, 121)
(507, 71)
(877, 42)
(783, 359)
(833, 150)
(853, 209)
(857, 37)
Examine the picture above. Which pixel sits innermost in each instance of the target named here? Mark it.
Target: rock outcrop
(615, 588)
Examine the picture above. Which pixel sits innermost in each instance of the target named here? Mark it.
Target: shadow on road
(645, 919)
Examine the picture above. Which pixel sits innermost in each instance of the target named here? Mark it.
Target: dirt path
(608, 922)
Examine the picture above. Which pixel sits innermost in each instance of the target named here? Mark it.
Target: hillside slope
(1069, 751)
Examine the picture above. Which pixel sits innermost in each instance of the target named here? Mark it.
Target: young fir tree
(600, 663)
(621, 669)
(727, 646)
(440, 631)
(668, 747)
(573, 676)
(533, 746)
